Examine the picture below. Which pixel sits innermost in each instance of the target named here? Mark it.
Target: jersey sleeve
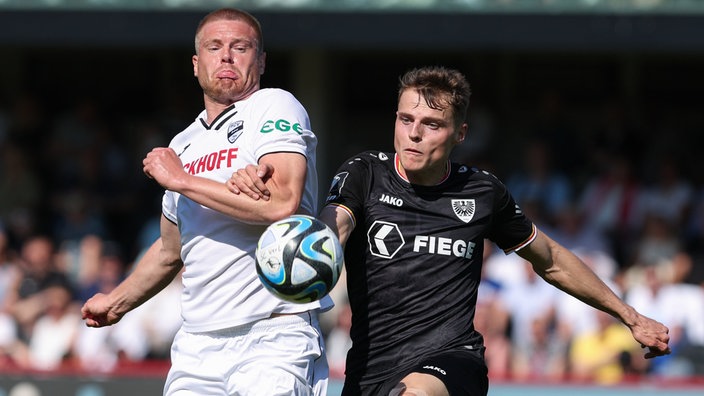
(511, 230)
(168, 206)
(350, 186)
(282, 125)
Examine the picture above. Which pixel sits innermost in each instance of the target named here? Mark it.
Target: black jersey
(414, 259)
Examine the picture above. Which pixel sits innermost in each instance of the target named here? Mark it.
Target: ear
(194, 59)
(262, 63)
(461, 133)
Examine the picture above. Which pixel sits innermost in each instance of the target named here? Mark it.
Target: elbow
(281, 210)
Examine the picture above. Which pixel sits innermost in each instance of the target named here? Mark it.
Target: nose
(227, 56)
(414, 132)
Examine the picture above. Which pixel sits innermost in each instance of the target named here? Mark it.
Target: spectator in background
(611, 202)
(55, 331)
(536, 351)
(539, 183)
(10, 344)
(658, 247)
(605, 354)
(8, 268)
(492, 321)
(77, 215)
(9, 339)
(570, 231)
(27, 297)
(573, 318)
(694, 243)
(137, 336)
(96, 266)
(670, 195)
(680, 305)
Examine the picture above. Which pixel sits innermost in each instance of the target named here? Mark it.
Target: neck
(427, 177)
(213, 107)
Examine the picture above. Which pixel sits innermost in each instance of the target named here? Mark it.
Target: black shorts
(463, 371)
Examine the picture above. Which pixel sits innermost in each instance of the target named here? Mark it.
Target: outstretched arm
(564, 270)
(155, 270)
(285, 185)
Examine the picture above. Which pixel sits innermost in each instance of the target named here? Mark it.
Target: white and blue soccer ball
(299, 259)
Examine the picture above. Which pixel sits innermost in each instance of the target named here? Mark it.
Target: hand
(163, 165)
(250, 181)
(652, 335)
(97, 312)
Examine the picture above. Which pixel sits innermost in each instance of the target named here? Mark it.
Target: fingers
(165, 167)
(659, 344)
(263, 170)
(249, 182)
(655, 352)
(257, 174)
(240, 182)
(89, 318)
(232, 186)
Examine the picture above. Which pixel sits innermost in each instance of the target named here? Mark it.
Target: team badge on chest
(235, 130)
(464, 209)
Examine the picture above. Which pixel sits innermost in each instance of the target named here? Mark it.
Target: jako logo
(281, 125)
(391, 200)
(438, 369)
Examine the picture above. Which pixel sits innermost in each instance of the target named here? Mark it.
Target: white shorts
(284, 355)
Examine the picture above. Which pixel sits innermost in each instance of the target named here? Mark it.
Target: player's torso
(215, 151)
(415, 258)
(220, 282)
(421, 232)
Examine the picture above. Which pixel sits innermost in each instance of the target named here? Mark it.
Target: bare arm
(251, 180)
(339, 221)
(157, 268)
(561, 268)
(285, 186)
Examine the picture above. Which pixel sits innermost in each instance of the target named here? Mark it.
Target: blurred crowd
(76, 213)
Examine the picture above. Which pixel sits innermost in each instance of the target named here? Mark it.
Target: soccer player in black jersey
(413, 225)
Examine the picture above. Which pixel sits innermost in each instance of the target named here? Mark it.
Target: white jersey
(221, 287)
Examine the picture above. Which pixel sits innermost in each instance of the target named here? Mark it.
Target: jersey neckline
(397, 168)
(221, 119)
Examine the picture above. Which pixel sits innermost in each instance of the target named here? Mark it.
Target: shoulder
(373, 157)
(196, 127)
(370, 158)
(275, 95)
(476, 174)
(363, 167)
(276, 103)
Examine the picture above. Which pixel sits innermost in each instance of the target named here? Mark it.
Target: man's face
(424, 138)
(227, 63)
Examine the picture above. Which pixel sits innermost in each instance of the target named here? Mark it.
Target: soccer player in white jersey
(236, 337)
(414, 224)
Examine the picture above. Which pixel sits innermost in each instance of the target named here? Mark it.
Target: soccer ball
(299, 259)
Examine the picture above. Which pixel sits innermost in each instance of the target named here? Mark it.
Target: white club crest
(464, 209)
(235, 130)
